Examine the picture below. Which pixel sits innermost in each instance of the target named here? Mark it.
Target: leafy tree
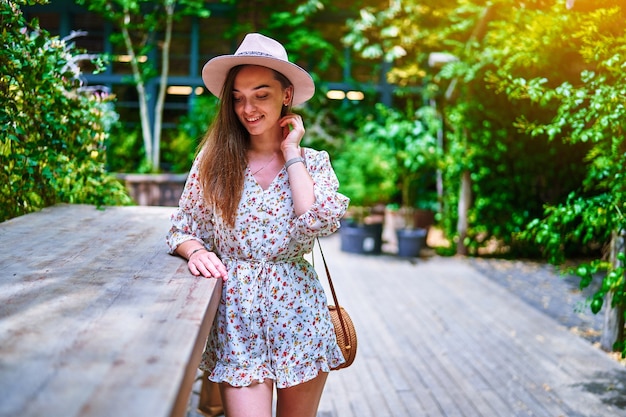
(142, 25)
(591, 111)
(494, 177)
(404, 33)
(53, 129)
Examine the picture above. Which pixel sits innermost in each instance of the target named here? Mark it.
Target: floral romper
(272, 320)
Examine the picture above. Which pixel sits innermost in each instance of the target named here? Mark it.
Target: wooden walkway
(438, 339)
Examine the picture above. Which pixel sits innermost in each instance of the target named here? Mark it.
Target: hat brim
(215, 71)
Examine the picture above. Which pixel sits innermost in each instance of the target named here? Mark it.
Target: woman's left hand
(293, 131)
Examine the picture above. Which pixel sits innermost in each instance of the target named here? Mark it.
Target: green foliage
(404, 33)
(513, 176)
(413, 142)
(393, 157)
(592, 112)
(329, 123)
(180, 152)
(534, 110)
(578, 222)
(53, 130)
(492, 42)
(124, 152)
(140, 28)
(293, 23)
(510, 182)
(366, 171)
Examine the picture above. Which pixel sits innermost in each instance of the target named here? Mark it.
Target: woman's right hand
(206, 264)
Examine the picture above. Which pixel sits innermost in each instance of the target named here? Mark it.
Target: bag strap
(346, 336)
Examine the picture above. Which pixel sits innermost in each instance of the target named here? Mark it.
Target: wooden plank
(96, 319)
(438, 339)
(475, 354)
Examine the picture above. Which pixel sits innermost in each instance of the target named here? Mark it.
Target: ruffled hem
(239, 377)
(284, 378)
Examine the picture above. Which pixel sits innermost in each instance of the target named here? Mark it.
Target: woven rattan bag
(344, 328)
(346, 335)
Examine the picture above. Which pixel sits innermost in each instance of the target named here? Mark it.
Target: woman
(252, 206)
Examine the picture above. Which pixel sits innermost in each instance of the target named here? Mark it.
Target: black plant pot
(361, 238)
(411, 241)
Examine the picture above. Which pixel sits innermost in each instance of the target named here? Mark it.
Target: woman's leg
(254, 400)
(301, 400)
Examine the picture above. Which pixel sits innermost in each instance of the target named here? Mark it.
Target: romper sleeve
(192, 219)
(323, 217)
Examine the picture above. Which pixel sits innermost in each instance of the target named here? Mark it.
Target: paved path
(439, 338)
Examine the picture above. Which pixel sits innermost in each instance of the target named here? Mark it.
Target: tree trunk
(141, 89)
(613, 325)
(165, 68)
(439, 172)
(464, 204)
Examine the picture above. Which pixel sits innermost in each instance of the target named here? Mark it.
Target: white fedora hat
(257, 49)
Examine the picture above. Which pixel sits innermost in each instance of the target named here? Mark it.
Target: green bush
(366, 171)
(412, 140)
(124, 152)
(52, 128)
(180, 150)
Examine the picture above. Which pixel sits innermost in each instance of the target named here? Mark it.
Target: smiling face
(258, 99)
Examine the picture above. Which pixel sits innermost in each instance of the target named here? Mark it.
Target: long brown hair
(223, 152)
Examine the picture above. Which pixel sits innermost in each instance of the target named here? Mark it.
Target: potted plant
(413, 141)
(366, 173)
